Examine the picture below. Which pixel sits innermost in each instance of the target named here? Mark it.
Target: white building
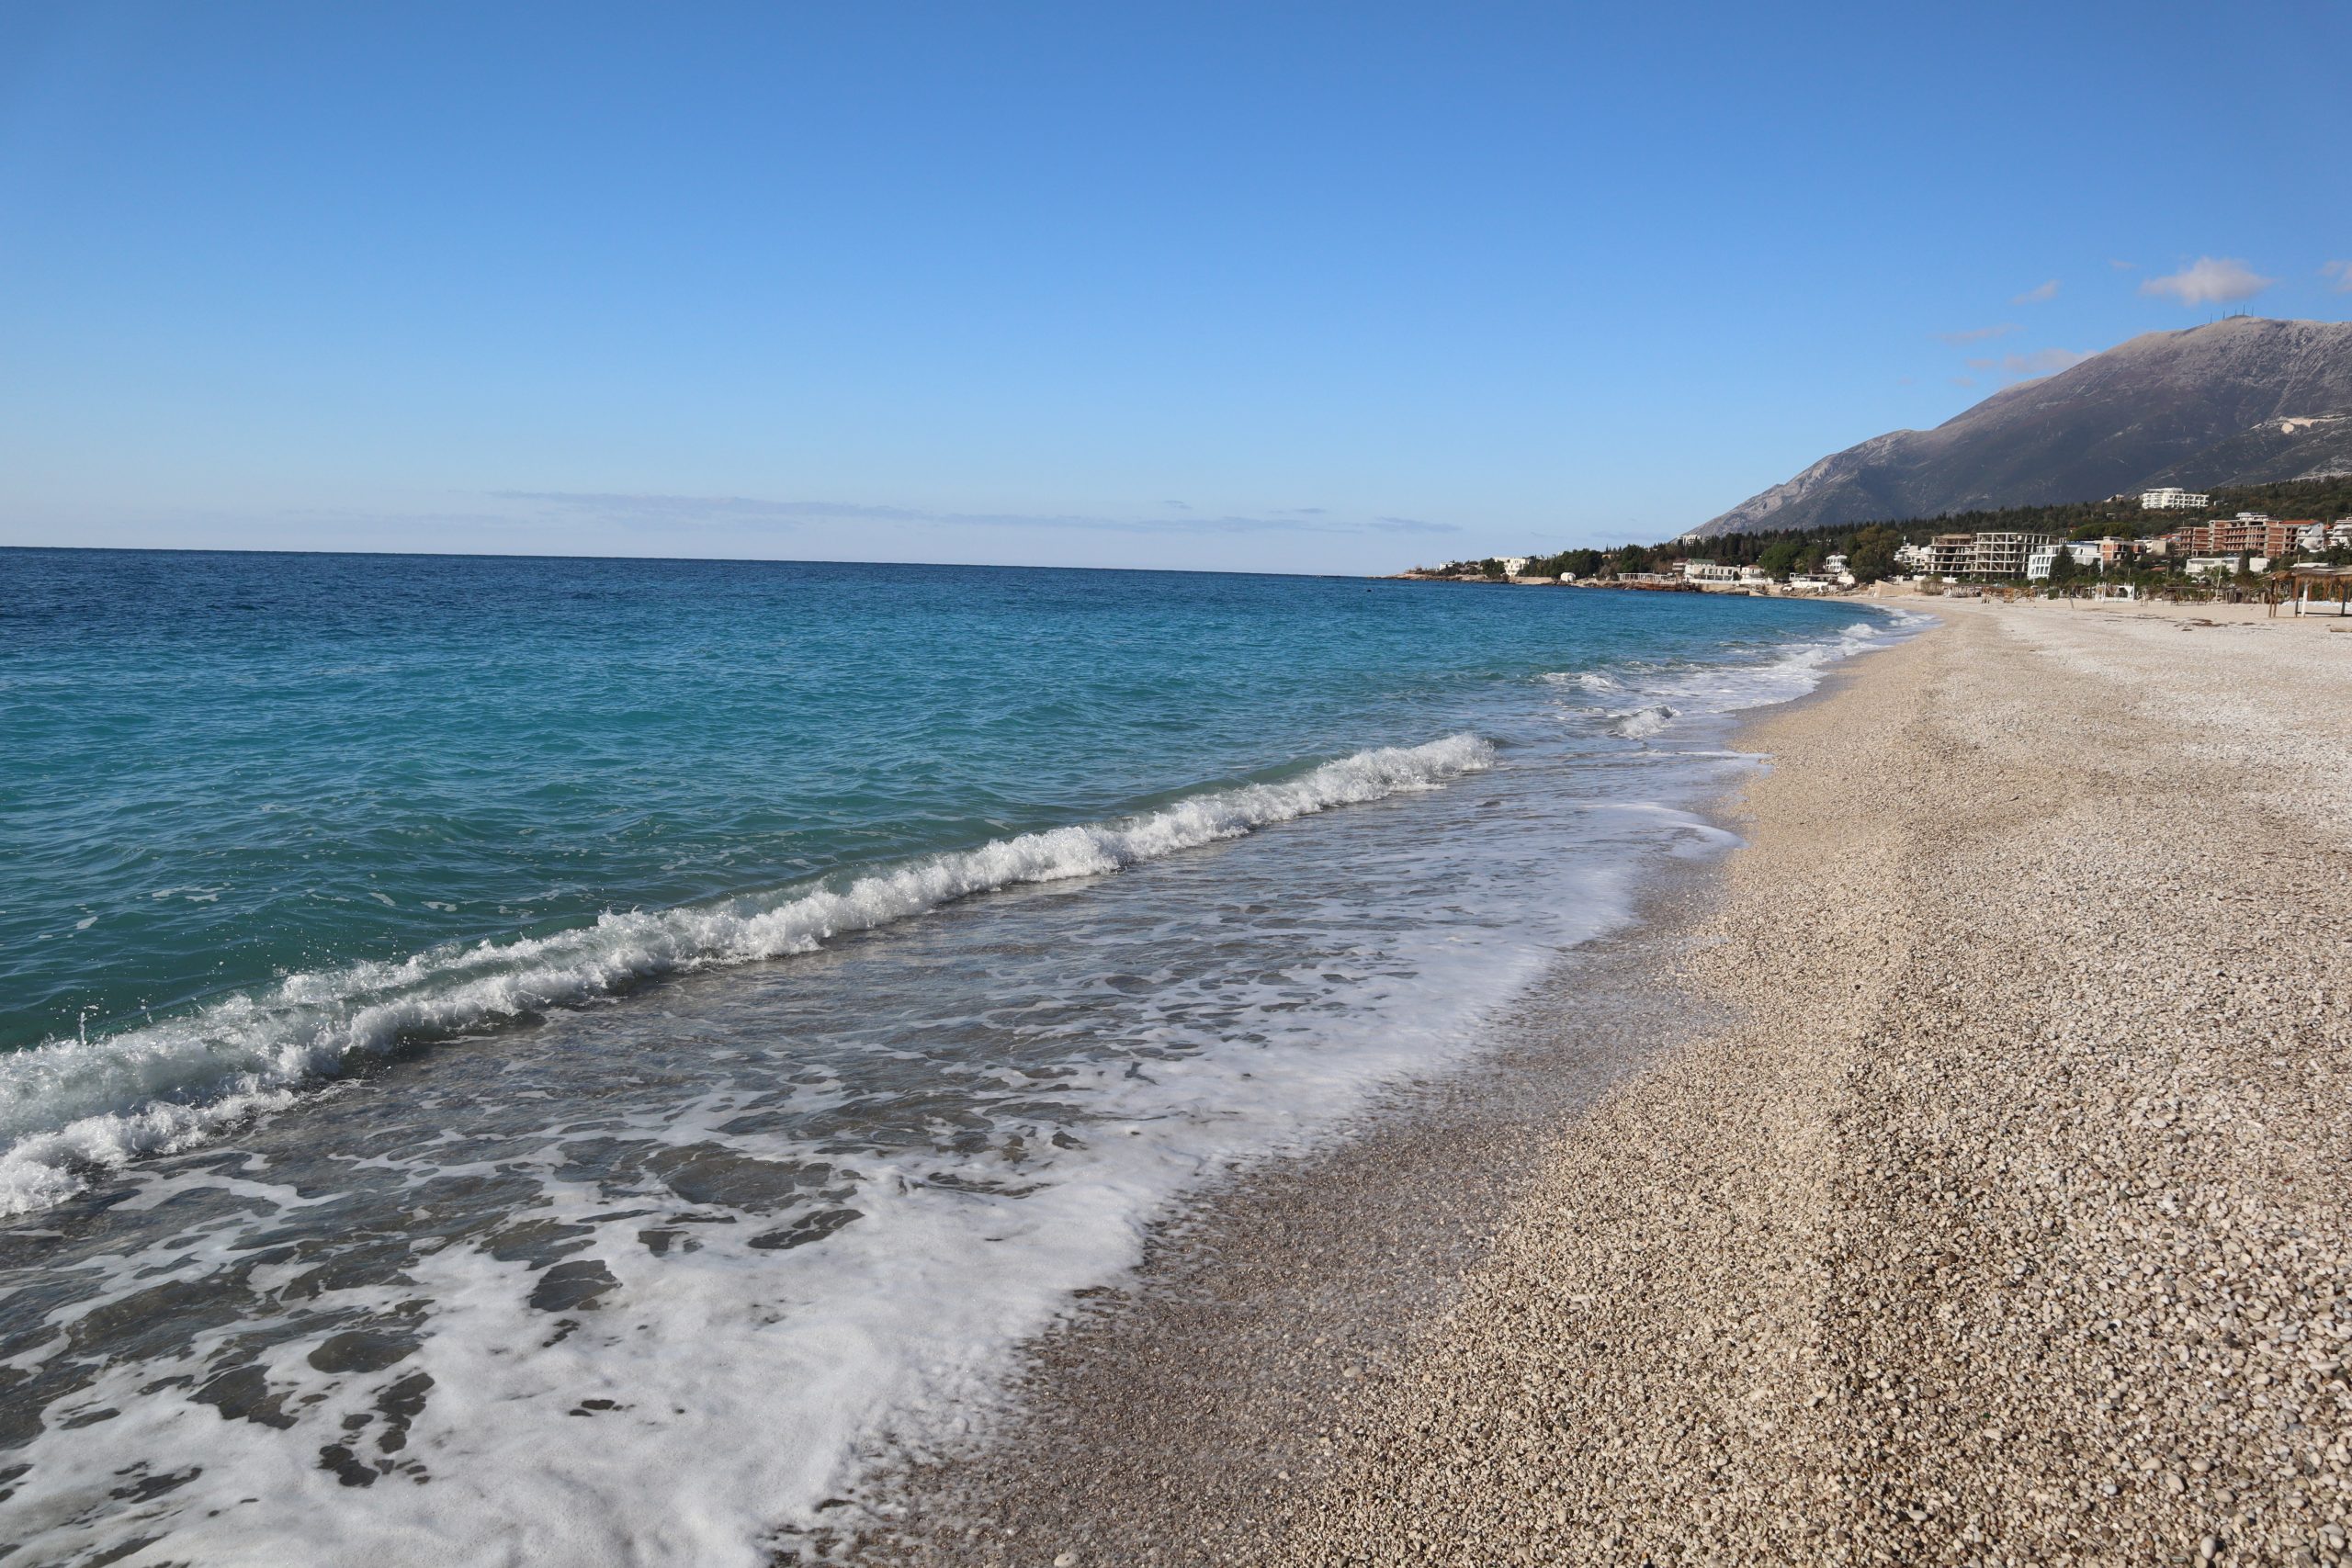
(2223, 566)
(2041, 558)
(1913, 559)
(1709, 571)
(1514, 565)
(2171, 500)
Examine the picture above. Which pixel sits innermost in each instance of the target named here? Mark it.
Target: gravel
(2009, 1223)
(1968, 1181)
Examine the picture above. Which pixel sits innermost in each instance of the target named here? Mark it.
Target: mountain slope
(2240, 401)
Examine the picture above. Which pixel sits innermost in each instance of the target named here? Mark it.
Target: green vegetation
(1869, 547)
(2315, 500)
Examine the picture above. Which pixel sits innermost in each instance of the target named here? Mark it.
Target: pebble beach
(1956, 1174)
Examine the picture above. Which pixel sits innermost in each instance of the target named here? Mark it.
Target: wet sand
(1958, 1174)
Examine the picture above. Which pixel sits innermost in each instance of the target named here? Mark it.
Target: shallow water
(643, 1034)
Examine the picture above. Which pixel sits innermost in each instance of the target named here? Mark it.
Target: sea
(528, 1060)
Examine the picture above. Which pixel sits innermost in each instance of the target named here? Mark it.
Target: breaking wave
(71, 1108)
(1639, 723)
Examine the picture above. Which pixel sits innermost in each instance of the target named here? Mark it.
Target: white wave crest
(1721, 686)
(1638, 723)
(70, 1107)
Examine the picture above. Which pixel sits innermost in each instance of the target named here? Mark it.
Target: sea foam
(70, 1109)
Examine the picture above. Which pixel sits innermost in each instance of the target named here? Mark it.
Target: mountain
(2240, 401)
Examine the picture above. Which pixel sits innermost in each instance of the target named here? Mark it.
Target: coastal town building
(1514, 565)
(1999, 554)
(2249, 533)
(2085, 553)
(2170, 499)
(1706, 571)
(2002, 554)
(1950, 555)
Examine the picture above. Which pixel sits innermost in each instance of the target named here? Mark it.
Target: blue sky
(1280, 287)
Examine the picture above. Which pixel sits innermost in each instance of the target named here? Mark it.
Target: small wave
(71, 1107)
(1639, 723)
(1720, 686)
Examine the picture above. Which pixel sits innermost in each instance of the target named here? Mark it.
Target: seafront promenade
(1988, 1206)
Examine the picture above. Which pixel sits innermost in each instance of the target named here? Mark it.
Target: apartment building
(2041, 558)
(1952, 554)
(2171, 500)
(2003, 554)
(2249, 533)
(1995, 554)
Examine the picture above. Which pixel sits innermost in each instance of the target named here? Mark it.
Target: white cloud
(1976, 335)
(2342, 272)
(2038, 294)
(628, 508)
(2210, 280)
(2122, 266)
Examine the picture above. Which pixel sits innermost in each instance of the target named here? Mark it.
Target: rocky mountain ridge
(2244, 400)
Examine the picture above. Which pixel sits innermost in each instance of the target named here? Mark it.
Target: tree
(1777, 561)
(2064, 572)
(1872, 555)
(1634, 557)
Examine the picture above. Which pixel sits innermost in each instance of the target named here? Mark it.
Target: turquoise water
(221, 769)
(795, 979)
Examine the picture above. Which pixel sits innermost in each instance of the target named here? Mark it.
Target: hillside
(2245, 401)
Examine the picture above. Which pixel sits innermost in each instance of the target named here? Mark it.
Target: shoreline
(1266, 1306)
(1311, 1275)
(1992, 1049)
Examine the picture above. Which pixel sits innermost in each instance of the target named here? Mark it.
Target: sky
(1269, 286)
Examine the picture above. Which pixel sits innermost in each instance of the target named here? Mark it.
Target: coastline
(1953, 1174)
(1178, 1418)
